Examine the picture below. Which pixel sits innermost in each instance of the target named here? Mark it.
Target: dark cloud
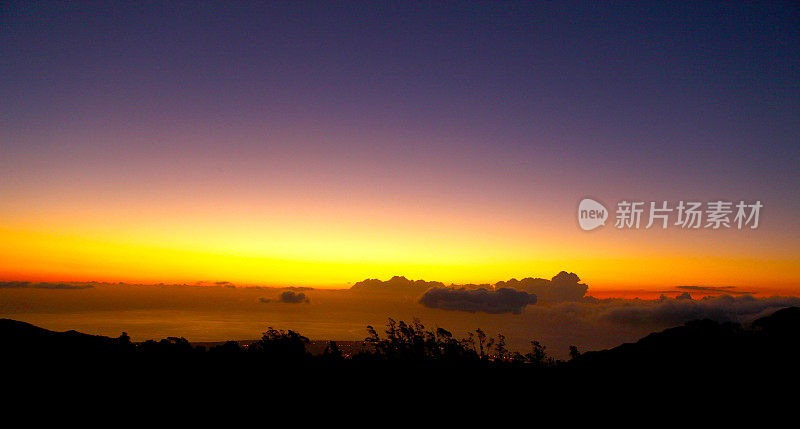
(671, 312)
(225, 284)
(563, 287)
(14, 285)
(288, 297)
(503, 300)
(214, 283)
(60, 286)
(30, 285)
(727, 290)
(685, 295)
(292, 297)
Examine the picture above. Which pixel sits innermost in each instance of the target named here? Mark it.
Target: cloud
(397, 284)
(225, 284)
(59, 286)
(292, 297)
(30, 285)
(708, 290)
(669, 312)
(727, 290)
(685, 295)
(287, 297)
(503, 300)
(14, 285)
(563, 287)
(214, 283)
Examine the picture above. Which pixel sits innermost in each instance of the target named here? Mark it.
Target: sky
(319, 144)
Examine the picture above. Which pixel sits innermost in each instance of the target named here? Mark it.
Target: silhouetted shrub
(280, 345)
(227, 347)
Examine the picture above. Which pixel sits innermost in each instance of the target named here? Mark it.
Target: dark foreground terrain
(702, 356)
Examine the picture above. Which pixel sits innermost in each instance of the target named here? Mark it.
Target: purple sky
(502, 108)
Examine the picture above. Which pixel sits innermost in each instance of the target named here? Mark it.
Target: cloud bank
(672, 312)
(503, 300)
(30, 285)
(563, 287)
(726, 290)
(397, 284)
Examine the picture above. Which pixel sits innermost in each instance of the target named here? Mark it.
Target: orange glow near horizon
(312, 252)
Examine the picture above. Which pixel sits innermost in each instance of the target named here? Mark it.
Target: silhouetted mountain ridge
(25, 338)
(771, 340)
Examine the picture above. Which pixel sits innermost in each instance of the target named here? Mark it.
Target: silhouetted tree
(169, 345)
(500, 347)
(574, 353)
(481, 340)
(412, 341)
(518, 357)
(470, 342)
(280, 345)
(538, 356)
(125, 343)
